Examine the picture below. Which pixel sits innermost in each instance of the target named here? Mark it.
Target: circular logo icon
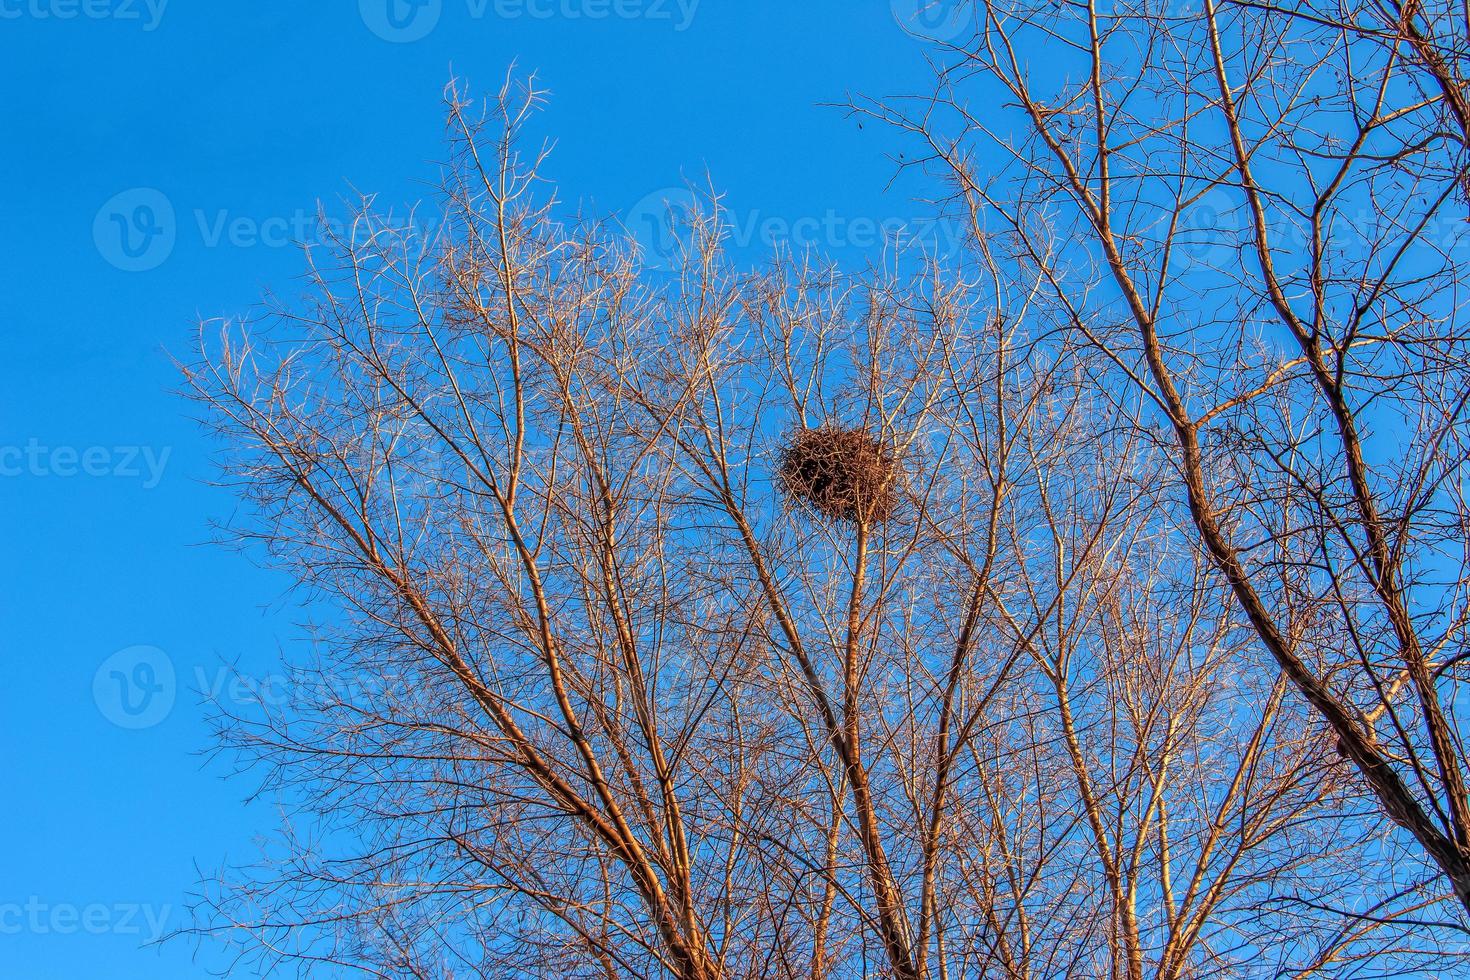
(935, 20)
(135, 688)
(655, 222)
(1209, 233)
(401, 21)
(135, 230)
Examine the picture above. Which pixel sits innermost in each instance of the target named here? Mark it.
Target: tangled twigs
(844, 473)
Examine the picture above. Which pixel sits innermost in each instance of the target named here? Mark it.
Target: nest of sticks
(843, 473)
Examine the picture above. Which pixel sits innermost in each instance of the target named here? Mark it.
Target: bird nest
(844, 474)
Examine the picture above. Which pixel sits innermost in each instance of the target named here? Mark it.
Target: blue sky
(161, 158)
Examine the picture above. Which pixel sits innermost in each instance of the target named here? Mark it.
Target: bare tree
(617, 678)
(1255, 212)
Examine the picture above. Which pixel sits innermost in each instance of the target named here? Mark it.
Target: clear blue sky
(158, 159)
